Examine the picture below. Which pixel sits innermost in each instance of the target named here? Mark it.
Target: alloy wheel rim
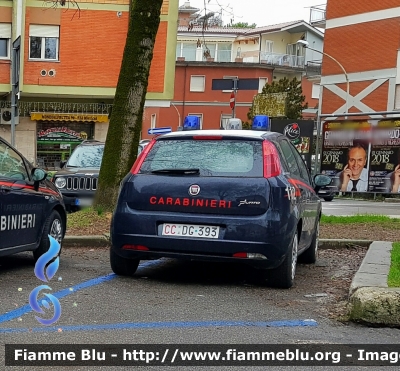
(56, 230)
(294, 255)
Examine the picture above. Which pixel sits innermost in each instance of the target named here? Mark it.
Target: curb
(86, 241)
(394, 200)
(371, 301)
(104, 241)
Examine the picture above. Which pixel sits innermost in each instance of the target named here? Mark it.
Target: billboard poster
(384, 175)
(345, 154)
(300, 133)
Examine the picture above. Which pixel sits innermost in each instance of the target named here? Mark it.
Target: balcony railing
(313, 69)
(318, 16)
(273, 59)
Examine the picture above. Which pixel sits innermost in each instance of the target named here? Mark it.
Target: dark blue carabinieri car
(31, 207)
(220, 195)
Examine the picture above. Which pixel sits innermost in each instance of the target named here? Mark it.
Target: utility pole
(235, 88)
(15, 68)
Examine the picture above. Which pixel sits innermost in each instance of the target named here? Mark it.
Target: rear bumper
(256, 235)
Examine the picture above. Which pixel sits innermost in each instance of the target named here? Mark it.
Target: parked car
(328, 192)
(218, 195)
(77, 179)
(31, 207)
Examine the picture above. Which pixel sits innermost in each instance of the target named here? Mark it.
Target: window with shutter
(197, 83)
(5, 37)
(43, 42)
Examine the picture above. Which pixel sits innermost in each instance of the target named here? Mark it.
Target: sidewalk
(371, 301)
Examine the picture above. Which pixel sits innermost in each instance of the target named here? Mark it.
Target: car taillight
(272, 166)
(139, 161)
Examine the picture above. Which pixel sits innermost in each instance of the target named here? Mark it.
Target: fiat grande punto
(219, 195)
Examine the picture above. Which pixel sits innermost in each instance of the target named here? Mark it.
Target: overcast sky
(261, 12)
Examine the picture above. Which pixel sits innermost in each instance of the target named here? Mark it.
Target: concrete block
(380, 306)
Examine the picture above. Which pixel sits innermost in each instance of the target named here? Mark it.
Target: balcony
(313, 69)
(255, 56)
(273, 59)
(318, 16)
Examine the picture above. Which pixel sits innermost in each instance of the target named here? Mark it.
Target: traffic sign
(232, 100)
(164, 130)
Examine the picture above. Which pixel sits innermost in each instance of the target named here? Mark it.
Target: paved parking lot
(169, 302)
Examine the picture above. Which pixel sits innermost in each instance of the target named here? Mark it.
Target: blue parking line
(16, 313)
(163, 325)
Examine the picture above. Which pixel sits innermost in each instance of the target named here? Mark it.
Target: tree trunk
(126, 118)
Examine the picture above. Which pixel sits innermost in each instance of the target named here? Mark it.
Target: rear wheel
(311, 254)
(53, 226)
(123, 266)
(283, 276)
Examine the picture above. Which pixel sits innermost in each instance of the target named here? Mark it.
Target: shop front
(58, 134)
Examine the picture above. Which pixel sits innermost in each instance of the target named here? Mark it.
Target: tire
(123, 266)
(328, 199)
(53, 226)
(283, 276)
(311, 254)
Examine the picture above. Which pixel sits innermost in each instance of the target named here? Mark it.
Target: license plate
(83, 201)
(189, 230)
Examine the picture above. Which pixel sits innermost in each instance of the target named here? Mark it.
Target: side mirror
(321, 180)
(38, 174)
(62, 164)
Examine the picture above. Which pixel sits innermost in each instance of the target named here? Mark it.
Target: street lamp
(306, 45)
(179, 115)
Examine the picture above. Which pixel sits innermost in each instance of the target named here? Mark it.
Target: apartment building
(69, 67)
(364, 37)
(206, 54)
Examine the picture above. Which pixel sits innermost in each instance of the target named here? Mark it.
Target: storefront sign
(61, 134)
(300, 133)
(51, 116)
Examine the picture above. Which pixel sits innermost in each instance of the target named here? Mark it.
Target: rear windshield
(212, 157)
(86, 156)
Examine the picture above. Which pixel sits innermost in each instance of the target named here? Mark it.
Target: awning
(52, 116)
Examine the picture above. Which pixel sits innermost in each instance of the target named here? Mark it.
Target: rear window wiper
(177, 171)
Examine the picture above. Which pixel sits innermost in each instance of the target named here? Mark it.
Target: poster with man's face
(345, 150)
(384, 175)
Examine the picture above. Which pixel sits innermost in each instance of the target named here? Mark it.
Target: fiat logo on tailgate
(194, 190)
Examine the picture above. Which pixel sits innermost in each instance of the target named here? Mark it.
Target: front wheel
(123, 266)
(283, 276)
(53, 226)
(328, 199)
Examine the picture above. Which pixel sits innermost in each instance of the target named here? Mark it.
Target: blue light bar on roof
(191, 123)
(261, 122)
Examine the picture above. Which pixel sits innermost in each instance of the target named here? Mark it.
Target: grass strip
(358, 218)
(85, 218)
(394, 273)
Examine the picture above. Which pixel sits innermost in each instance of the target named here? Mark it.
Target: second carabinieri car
(219, 195)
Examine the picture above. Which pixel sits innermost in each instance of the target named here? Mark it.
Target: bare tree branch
(65, 3)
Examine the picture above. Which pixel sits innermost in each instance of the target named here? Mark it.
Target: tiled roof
(273, 27)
